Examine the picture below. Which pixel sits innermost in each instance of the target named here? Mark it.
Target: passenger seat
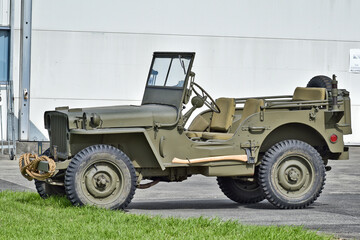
(251, 106)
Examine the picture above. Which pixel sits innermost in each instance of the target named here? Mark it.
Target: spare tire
(320, 81)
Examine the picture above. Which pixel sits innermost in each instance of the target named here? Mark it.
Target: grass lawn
(24, 215)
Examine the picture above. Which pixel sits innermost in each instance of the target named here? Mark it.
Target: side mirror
(197, 102)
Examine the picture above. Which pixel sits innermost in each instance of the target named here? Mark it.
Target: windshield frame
(172, 56)
(167, 95)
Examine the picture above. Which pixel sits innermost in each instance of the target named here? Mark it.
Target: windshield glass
(169, 71)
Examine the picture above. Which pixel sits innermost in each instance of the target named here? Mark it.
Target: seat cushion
(191, 134)
(251, 106)
(199, 124)
(217, 136)
(222, 121)
(308, 94)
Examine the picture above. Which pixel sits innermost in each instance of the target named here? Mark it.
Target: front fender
(135, 142)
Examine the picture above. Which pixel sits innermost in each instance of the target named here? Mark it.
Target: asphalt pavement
(337, 210)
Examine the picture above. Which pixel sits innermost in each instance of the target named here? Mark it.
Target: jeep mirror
(197, 102)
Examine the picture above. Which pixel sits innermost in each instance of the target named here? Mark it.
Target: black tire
(45, 189)
(46, 152)
(320, 82)
(100, 175)
(292, 174)
(241, 191)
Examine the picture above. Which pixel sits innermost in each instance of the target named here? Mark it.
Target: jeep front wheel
(100, 175)
(46, 190)
(292, 174)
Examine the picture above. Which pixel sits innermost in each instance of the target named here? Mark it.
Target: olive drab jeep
(273, 147)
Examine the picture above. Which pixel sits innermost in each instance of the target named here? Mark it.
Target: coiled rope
(28, 164)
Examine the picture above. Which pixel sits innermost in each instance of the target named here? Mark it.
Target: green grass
(25, 215)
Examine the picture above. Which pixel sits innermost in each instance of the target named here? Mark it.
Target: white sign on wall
(354, 61)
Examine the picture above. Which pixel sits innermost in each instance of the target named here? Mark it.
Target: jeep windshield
(168, 78)
(169, 71)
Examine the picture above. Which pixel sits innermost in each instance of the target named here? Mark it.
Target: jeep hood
(120, 116)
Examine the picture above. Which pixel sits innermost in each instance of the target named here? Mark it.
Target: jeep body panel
(120, 116)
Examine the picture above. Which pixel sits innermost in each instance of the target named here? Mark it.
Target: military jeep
(273, 147)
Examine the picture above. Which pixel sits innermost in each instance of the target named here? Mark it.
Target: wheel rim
(293, 176)
(102, 182)
(247, 185)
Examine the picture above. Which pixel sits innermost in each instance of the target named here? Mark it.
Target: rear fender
(302, 132)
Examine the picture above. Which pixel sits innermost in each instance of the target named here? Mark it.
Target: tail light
(333, 138)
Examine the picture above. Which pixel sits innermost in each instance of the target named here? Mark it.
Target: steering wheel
(205, 96)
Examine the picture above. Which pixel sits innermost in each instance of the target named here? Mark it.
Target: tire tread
(269, 159)
(86, 152)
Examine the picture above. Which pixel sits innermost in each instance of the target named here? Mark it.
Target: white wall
(4, 12)
(87, 53)
(321, 19)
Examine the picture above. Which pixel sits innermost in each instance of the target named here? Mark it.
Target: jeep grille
(58, 134)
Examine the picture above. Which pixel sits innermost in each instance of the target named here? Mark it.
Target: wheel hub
(102, 181)
(293, 175)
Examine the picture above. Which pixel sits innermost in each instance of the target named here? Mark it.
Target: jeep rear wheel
(100, 175)
(241, 191)
(292, 174)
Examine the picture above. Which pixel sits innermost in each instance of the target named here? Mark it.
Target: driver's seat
(220, 122)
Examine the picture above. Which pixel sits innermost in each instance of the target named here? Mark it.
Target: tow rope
(28, 164)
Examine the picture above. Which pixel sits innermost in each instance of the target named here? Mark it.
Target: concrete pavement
(337, 211)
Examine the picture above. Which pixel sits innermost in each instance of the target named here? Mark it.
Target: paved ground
(337, 210)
